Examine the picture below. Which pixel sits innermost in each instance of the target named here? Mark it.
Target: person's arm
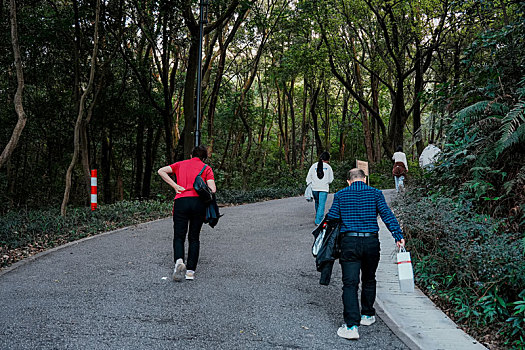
(164, 174)
(389, 219)
(211, 185)
(309, 179)
(210, 179)
(405, 161)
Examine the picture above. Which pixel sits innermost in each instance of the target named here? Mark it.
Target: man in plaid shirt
(357, 206)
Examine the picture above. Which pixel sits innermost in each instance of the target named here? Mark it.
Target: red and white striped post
(93, 189)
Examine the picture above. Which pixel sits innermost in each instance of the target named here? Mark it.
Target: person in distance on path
(187, 208)
(428, 156)
(320, 176)
(400, 168)
(357, 207)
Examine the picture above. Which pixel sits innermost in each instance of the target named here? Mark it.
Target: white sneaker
(367, 320)
(190, 275)
(179, 271)
(348, 332)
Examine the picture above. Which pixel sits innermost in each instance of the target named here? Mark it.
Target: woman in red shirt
(187, 209)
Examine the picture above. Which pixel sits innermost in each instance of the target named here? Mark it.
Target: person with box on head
(357, 207)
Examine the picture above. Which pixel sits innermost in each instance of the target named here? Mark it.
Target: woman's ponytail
(326, 157)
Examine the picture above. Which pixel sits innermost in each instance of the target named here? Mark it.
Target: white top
(428, 156)
(320, 184)
(400, 157)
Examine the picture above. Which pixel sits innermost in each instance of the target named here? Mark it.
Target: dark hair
(355, 173)
(200, 151)
(399, 149)
(326, 157)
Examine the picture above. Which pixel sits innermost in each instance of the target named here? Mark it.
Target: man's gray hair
(356, 174)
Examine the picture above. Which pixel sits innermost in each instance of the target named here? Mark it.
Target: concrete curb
(413, 317)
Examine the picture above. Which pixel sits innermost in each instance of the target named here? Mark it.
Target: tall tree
(81, 118)
(186, 142)
(18, 100)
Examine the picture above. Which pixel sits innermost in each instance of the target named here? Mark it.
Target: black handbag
(202, 188)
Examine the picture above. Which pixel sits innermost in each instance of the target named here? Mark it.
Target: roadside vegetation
(465, 221)
(283, 81)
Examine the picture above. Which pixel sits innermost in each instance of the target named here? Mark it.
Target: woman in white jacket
(400, 168)
(320, 176)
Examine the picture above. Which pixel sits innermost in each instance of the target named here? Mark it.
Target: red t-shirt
(186, 171)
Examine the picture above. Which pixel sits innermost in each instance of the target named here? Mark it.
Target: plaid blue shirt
(358, 205)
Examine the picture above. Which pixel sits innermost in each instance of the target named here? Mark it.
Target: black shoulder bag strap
(202, 169)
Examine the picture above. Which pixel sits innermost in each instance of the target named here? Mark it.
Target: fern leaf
(512, 130)
(468, 113)
(481, 110)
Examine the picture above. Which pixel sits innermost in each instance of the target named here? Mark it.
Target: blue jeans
(399, 182)
(320, 202)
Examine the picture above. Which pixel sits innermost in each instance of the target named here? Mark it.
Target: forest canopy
(111, 85)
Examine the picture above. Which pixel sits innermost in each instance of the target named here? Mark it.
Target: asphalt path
(256, 287)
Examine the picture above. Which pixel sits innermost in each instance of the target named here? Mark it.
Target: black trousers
(187, 210)
(359, 254)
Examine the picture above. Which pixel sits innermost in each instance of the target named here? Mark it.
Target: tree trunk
(223, 48)
(80, 117)
(152, 143)
(18, 101)
(326, 145)
(343, 130)
(362, 109)
(375, 125)
(416, 114)
(292, 120)
(189, 98)
(282, 130)
(313, 113)
(398, 117)
(107, 146)
(139, 151)
(303, 123)
(187, 139)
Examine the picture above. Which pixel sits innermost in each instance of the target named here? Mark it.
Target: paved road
(256, 288)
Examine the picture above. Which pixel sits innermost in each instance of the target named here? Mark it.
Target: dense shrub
(468, 264)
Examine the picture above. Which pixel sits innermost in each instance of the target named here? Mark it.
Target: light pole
(203, 19)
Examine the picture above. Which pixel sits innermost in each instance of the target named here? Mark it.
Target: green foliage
(25, 232)
(467, 261)
(484, 151)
